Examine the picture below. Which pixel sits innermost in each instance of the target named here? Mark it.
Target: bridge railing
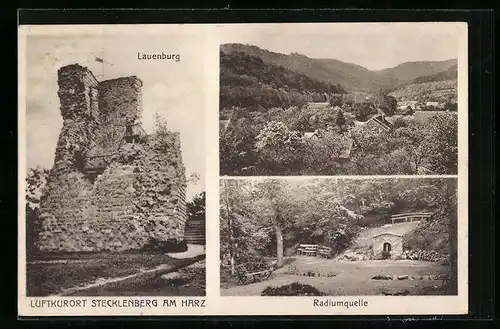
(410, 217)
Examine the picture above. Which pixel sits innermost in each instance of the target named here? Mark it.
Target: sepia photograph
(338, 237)
(115, 193)
(351, 99)
(330, 160)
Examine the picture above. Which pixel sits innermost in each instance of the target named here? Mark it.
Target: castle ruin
(112, 187)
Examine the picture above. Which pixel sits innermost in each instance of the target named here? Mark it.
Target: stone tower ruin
(112, 187)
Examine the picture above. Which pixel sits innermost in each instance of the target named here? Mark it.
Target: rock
(382, 277)
(403, 277)
(395, 293)
(171, 276)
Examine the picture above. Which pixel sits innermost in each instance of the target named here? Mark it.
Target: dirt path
(351, 278)
(192, 251)
(132, 280)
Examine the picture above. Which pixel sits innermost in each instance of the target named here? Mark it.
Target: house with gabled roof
(378, 120)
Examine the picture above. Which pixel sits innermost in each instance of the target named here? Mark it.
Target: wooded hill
(439, 87)
(247, 81)
(422, 71)
(351, 76)
(433, 91)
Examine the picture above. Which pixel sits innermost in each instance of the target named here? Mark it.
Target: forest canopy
(248, 82)
(274, 143)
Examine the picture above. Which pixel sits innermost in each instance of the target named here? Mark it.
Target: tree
(196, 207)
(323, 156)
(452, 107)
(231, 243)
(368, 150)
(243, 230)
(362, 111)
(279, 148)
(274, 202)
(389, 104)
(236, 145)
(336, 100)
(340, 120)
(408, 141)
(35, 182)
(441, 143)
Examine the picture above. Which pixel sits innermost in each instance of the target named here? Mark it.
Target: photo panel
(114, 171)
(330, 159)
(339, 237)
(340, 99)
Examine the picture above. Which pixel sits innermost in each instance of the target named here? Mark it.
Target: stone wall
(138, 197)
(120, 103)
(395, 241)
(79, 123)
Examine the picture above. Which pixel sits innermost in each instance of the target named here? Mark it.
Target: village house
(317, 105)
(379, 120)
(435, 104)
(414, 105)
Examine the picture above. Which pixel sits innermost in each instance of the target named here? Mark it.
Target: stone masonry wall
(395, 241)
(140, 195)
(120, 103)
(79, 123)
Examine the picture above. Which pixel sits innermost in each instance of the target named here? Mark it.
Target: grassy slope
(428, 91)
(73, 269)
(364, 238)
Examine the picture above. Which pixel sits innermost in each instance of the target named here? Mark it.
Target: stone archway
(387, 247)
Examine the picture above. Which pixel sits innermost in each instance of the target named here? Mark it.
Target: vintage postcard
(243, 169)
(113, 170)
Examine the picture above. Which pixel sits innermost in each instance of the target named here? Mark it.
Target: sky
(174, 90)
(375, 46)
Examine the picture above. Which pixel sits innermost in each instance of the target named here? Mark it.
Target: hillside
(437, 91)
(449, 74)
(351, 76)
(247, 81)
(409, 71)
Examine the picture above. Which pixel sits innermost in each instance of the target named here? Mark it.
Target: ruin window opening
(134, 133)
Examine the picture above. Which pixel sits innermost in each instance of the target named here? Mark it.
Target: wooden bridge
(410, 217)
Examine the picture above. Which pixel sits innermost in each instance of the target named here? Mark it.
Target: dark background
(481, 136)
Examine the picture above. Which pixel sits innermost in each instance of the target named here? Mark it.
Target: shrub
(293, 289)
(386, 255)
(169, 246)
